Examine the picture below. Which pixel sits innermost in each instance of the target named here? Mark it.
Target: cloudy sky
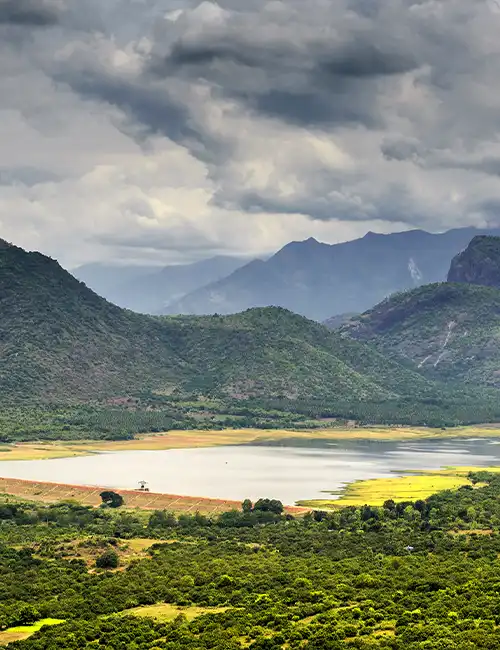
(171, 130)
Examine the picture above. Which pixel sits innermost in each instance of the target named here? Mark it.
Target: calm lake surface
(288, 471)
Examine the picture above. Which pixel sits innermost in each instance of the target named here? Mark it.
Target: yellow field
(194, 438)
(165, 612)
(402, 488)
(39, 451)
(414, 486)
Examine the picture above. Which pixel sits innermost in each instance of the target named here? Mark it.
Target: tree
(111, 499)
(247, 506)
(269, 505)
(162, 519)
(108, 560)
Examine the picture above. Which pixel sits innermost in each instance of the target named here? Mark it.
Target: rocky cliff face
(479, 263)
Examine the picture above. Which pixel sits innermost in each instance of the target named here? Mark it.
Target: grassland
(162, 612)
(201, 438)
(89, 549)
(165, 612)
(411, 487)
(24, 631)
(401, 488)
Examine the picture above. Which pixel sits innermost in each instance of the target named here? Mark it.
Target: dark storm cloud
(401, 149)
(150, 107)
(366, 60)
(200, 54)
(316, 82)
(411, 150)
(345, 110)
(315, 108)
(30, 13)
(488, 165)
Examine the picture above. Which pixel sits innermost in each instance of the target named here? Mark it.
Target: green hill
(446, 331)
(59, 341)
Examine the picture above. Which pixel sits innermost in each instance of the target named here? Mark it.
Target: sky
(148, 131)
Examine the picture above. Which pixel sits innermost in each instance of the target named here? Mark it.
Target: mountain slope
(148, 289)
(446, 331)
(336, 322)
(60, 341)
(319, 280)
(479, 263)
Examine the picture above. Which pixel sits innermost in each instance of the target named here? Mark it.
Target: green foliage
(111, 499)
(269, 505)
(449, 332)
(153, 413)
(108, 560)
(75, 366)
(363, 577)
(62, 343)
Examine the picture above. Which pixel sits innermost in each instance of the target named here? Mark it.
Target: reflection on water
(289, 471)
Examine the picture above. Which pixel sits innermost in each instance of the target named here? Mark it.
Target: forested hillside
(404, 576)
(446, 331)
(61, 342)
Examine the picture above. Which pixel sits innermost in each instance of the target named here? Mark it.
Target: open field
(89, 549)
(54, 492)
(24, 631)
(199, 438)
(411, 487)
(402, 488)
(164, 612)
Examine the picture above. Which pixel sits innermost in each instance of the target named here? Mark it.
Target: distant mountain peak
(5, 244)
(311, 241)
(317, 279)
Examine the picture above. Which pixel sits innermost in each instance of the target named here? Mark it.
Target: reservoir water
(288, 471)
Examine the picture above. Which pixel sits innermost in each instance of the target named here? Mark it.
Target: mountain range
(148, 289)
(320, 280)
(429, 351)
(61, 342)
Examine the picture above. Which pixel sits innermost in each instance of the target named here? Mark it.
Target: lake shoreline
(402, 482)
(179, 439)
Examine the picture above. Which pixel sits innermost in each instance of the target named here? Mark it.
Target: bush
(111, 499)
(108, 560)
